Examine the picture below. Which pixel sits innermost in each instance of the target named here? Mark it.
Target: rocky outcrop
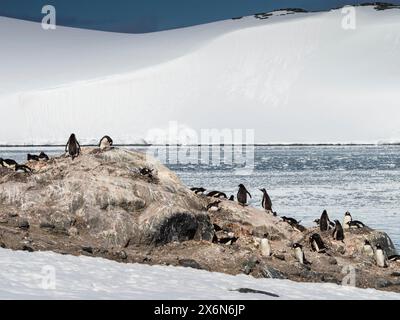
(103, 196)
(104, 204)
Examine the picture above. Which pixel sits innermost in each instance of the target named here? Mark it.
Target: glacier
(298, 78)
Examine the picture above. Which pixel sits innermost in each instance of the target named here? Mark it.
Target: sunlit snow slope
(291, 78)
(52, 276)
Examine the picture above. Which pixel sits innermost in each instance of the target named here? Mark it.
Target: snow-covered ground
(291, 78)
(44, 275)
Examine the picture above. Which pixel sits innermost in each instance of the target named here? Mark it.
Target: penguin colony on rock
(73, 148)
(326, 226)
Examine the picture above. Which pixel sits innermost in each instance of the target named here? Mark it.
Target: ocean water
(302, 181)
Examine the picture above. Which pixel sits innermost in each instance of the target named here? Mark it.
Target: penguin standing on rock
(380, 257)
(266, 200)
(316, 243)
(324, 222)
(242, 195)
(105, 142)
(265, 247)
(338, 233)
(347, 218)
(299, 253)
(72, 147)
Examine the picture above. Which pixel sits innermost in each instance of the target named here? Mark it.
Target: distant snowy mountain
(45, 275)
(296, 78)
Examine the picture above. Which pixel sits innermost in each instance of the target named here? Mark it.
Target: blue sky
(152, 15)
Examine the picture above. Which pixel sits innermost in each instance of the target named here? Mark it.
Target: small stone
(88, 249)
(13, 214)
(332, 261)
(341, 250)
(27, 248)
(271, 273)
(46, 225)
(123, 255)
(280, 257)
(275, 237)
(249, 265)
(382, 283)
(73, 231)
(23, 224)
(190, 263)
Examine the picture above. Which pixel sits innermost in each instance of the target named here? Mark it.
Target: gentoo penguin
(354, 224)
(338, 233)
(43, 156)
(294, 224)
(32, 157)
(347, 218)
(198, 190)
(324, 221)
(380, 257)
(232, 198)
(291, 221)
(266, 201)
(214, 206)
(23, 168)
(146, 171)
(299, 253)
(72, 147)
(265, 247)
(105, 142)
(8, 163)
(367, 249)
(316, 243)
(217, 194)
(242, 195)
(394, 258)
(331, 224)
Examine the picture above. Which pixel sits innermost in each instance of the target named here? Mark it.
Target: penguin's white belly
(345, 220)
(315, 244)
(265, 248)
(299, 255)
(380, 258)
(9, 166)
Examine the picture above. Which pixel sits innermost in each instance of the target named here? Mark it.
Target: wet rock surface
(101, 205)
